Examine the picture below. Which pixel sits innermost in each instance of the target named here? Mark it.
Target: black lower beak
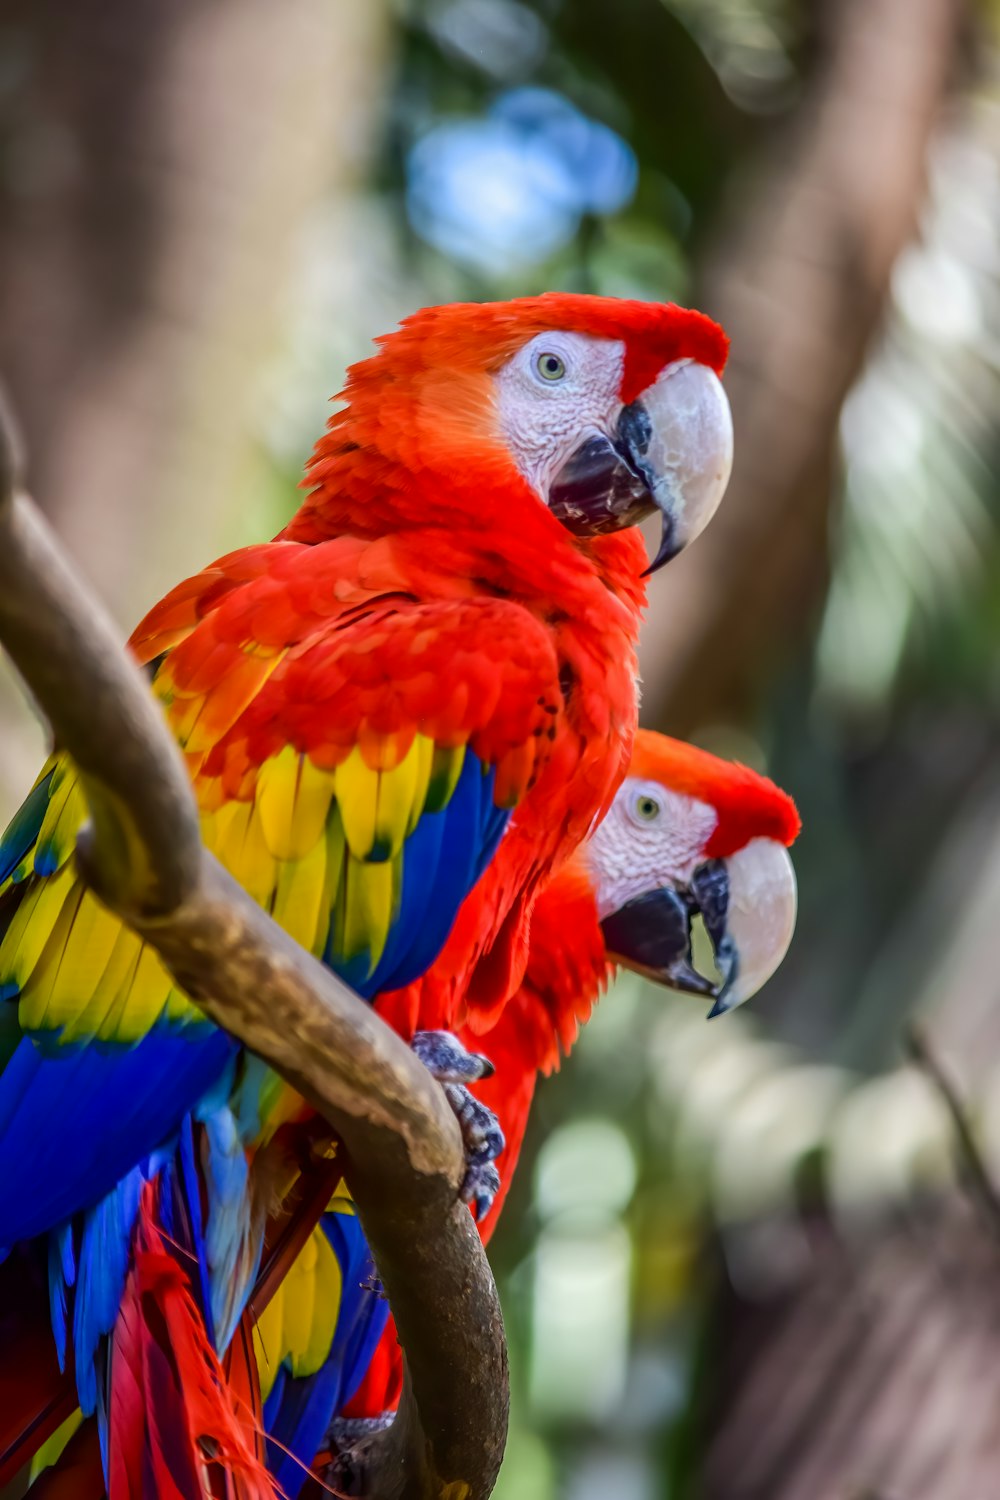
(710, 889)
(652, 935)
(606, 486)
(599, 490)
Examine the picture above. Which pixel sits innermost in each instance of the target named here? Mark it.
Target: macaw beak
(748, 904)
(672, 452)
(651, 934)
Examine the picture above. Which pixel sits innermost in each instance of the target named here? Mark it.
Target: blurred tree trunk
(798, 275)
(158, 162)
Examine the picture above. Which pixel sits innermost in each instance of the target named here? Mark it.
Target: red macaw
(687, 834)
(419, 695)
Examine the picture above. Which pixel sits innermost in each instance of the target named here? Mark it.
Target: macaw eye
(647, 808)
(550, 366)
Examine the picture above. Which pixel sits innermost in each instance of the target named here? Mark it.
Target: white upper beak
(690, 453)
(760, 919)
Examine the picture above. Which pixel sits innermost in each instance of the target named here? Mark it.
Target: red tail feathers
(382, 1383)
(174, 1429)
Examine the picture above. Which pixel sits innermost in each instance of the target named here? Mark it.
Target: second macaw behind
(687, 836)
(411, 705)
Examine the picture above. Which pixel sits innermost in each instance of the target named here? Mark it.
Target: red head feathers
(748, 805)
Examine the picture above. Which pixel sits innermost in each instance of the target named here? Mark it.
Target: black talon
(480, 1193)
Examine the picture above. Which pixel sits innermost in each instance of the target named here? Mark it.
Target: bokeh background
(742, 1261)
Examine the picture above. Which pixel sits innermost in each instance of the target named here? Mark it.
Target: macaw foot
(447, 1060)
(348, 1439)
(346, 1431)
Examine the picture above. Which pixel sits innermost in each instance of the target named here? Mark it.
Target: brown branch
(142, 853)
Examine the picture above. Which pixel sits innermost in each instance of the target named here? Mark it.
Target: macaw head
(691, 835)
(602, 410)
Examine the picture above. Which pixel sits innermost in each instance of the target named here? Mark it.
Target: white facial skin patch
(650, 837)
(556, 392)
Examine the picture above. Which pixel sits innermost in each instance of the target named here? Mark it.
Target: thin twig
(980, 1184)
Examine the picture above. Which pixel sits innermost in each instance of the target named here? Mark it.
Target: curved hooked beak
(672, 451)
(748, 904)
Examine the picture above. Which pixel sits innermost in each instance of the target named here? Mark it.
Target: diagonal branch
(143, 855)
(982, 1189)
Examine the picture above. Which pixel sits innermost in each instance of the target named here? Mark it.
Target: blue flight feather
(363, 1313)
(62, 1275)
(72, 1124)
(105, 1242)
(233, 1250)
(181, 1215)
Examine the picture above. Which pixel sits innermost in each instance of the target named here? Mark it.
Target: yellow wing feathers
(297, 1326)
(320, 849)
(366, 904)
(293, 803)
(80, 972)
(64, 816)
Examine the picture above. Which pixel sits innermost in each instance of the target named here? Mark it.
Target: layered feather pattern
(398, 718)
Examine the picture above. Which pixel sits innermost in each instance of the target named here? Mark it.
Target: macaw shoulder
(479, 673)
(269, 595)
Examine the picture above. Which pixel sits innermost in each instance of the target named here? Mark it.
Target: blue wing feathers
(232, 1249)
(105, 1239)
(183, 1203)
(62, 1275)
(415, 927)
(83, 1126)
(71, 1126)
(443, 859)
(363, 1313)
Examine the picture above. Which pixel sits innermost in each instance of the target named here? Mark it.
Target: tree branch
(143, 855)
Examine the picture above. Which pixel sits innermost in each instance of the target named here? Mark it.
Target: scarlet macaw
(687, 835)
(419, 695)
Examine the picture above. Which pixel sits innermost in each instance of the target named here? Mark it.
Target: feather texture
(398, 717)
(171, 1415)
(316, 1339)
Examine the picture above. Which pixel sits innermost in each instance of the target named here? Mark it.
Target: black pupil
(648, 807)
(551, 364)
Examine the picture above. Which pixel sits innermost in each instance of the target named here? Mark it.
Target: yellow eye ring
(549, 366)
(647, 808)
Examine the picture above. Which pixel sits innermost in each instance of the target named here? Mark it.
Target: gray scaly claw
(447, 1060)
(444, 1057)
